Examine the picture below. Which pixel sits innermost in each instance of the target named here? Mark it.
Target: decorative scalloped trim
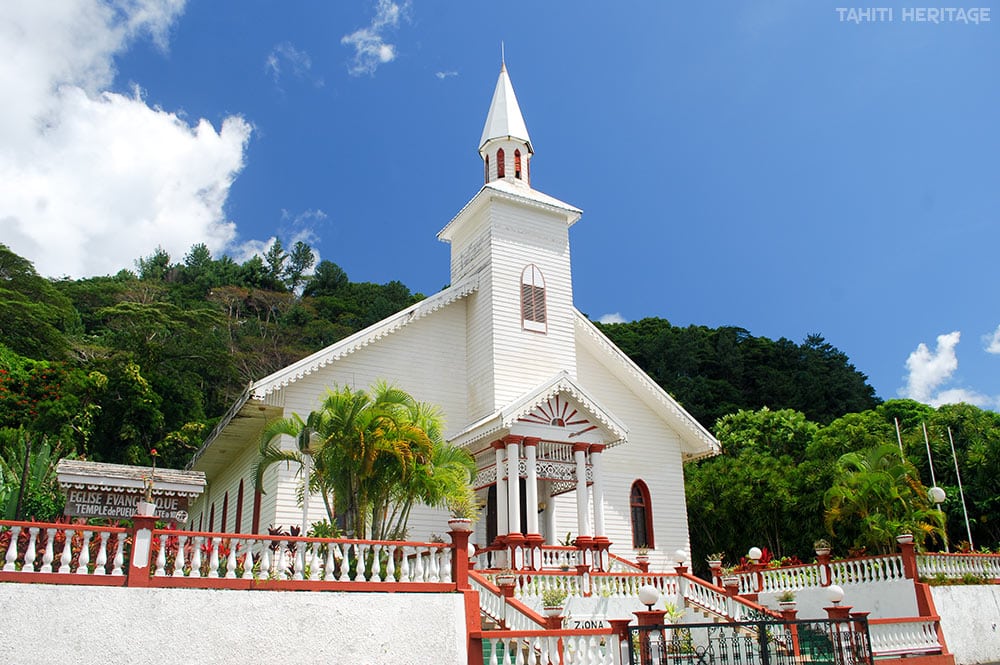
(370, 335)
(634, 372)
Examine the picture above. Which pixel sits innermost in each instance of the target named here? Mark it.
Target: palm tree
(374, 454)
(881, 494)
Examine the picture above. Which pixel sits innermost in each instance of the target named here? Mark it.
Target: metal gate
(817, 642)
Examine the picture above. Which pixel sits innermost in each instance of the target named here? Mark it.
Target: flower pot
(822, 551)
(904, 538)
(145, 509)
(460, 524)
(786, 604)
(715, 564)
(505, 580)
(552, 611)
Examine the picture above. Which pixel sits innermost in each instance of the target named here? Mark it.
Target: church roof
(371, 334)
(511, 191)
(697, 440)
(504, 119)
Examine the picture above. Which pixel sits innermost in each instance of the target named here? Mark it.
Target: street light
(755, 554)
(648, 595)
(834, 594)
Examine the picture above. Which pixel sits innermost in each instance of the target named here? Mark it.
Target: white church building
(569, 435)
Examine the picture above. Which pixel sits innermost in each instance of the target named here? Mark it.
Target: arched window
(225, 512)
(238, 526)
(486, 174)
(641, 510)
(211, 518)
(517, 164)
(500, 163)
(533, 299)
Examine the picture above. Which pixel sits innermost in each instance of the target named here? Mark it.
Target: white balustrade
(956, 566)
(89, 552)
(904, 637)
(545, 650)
(869, 569)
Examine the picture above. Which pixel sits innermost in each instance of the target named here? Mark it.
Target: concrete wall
(970, 618)
(110, 625)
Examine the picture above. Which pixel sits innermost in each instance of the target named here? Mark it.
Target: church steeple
(505, 145)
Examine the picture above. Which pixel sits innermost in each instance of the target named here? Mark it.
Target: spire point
(503, 60)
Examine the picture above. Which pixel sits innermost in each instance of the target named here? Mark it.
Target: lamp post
(754, 554)
(937, 495)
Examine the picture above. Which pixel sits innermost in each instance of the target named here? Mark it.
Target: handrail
(906, 635)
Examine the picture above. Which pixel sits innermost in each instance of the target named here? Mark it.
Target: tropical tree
(370, 456)
(878, 495)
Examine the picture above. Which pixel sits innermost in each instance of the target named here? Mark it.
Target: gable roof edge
(704, 443)
(372, 333)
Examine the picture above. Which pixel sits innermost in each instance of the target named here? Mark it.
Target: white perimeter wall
(970, 618)
(109, 625)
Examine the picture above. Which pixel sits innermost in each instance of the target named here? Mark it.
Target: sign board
(120, 504)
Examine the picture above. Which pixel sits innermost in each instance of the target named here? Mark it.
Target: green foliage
(714, 372)
(370, 455)
(28, 484)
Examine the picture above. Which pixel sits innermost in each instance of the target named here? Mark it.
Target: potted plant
(786, 599)
(464, 506)
(822, 547)
(506, 577)
(904, 538)
(729, 576)
(553, 601)
(642, 554)
(715, 560)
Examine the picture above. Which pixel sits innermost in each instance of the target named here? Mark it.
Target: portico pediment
(559, 410)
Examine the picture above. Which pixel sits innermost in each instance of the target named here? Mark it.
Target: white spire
(504, 120)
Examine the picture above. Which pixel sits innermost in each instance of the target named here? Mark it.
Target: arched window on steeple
(499, 163)
(641, 510)
(517, 164)
(533, 299)
(486, 175)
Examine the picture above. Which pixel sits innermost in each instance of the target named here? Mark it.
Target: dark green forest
(110, 368)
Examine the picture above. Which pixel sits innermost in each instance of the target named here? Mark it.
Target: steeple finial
(503, 60)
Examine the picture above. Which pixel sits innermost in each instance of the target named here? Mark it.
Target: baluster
(213, 556)
(248, 559)
(67, 553)
(345, 563)
(102, 555)
(179, 557)
(446, 558)
(300, 558)
(403, 566)
(390, 562)
(50, 537)
(265, 559)
(29, 554)
(282, 559)
(315, 564)
(9, 566)
(376, 555)
(119, 560)
(84, 558)
(231, 559)
(196, 556)
(329, 563)
(161, 557)
(435, 571)
(418, 566)
(493, 642)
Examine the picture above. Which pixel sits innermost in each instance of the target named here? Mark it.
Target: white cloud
(615, 317)
(444, 75)
(929, 371)
(90, 179)
(284, 58)
(993, 341)
(370, 46)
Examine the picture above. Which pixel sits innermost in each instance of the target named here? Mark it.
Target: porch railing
(905, 636)
(957, 566)
(144, 556)
(585, 647)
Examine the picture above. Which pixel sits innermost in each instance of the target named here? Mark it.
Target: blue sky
(780, 166)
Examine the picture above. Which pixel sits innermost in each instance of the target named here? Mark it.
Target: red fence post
(142, 549)
(460, 558)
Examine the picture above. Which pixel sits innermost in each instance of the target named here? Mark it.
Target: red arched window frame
(255, 522)
(500, 163)
(533, 299)
(225, 512)
(211, 519)
(641, 510)
(238, 526)
(517, 164)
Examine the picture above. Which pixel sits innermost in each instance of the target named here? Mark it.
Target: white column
(596, 469)
(582, 512)
(531, 485)
(513, 486)
(551, 537)
(501, 490)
